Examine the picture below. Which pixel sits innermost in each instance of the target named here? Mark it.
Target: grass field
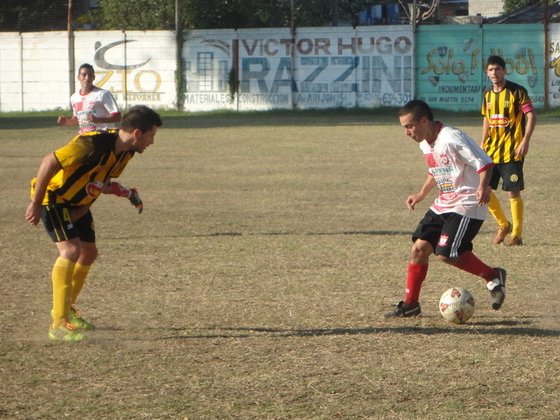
(253, 284)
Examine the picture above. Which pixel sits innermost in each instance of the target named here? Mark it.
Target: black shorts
(450, 234)
(60, 227)
(511, 174)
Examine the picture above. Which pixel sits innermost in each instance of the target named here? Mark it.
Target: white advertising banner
(208, 57)
(136, 67)
(320, 68)
(553, 65)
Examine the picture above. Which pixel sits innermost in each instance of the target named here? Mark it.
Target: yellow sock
(78, 280)
(496, 210)
(517, 207)
(62, 290)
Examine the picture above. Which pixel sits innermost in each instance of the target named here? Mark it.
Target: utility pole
(71, 57)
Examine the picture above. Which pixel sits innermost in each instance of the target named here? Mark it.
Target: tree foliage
(222, 14)
(141, 15)
(33, 15)
(422, 11)
(513, 5)
(40, 15)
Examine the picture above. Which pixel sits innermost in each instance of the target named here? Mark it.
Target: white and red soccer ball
(457, 305)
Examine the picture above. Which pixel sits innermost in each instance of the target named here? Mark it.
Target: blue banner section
(451, 61)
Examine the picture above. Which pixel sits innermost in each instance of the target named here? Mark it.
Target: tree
(424, 10)
(141, 15)
(33, 15)
(513, 5)
(224, 14)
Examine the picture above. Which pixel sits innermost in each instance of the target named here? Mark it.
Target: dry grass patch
(253, 284)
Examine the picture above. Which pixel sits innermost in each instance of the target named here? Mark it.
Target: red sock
(415, 275)
(471, 264)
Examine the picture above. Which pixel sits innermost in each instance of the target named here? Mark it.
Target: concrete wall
(320, 68)
(486, 8)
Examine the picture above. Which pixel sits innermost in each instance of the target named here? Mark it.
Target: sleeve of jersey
(110, 103)
(471, 154)
(525, 101)
(75, 152)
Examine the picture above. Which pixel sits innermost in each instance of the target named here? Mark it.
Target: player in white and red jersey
(461, 170)
(455, 162)
(96, 109)
(91, 109)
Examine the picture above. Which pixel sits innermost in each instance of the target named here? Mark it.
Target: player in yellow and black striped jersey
(68, 182)
(508, 124)
(88, 161)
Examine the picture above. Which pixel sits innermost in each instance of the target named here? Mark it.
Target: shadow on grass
(365, 232)
(236, 234)
(216, 119)
(502, 327)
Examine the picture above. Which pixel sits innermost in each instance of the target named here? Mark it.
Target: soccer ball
(456, 305)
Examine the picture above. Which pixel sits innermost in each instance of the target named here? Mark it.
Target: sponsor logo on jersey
(498, 121)
(93, 189)
(444, 159)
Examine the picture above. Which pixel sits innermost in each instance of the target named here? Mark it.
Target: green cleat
(65, 332)
(76, 319)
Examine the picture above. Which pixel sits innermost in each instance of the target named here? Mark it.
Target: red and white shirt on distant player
(99, 103)
(455, 161)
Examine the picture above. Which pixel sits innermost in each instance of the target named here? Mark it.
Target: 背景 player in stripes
(508, 124)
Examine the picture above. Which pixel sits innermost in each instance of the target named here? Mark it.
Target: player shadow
(240, 234)
(501, 327)
(357, 232)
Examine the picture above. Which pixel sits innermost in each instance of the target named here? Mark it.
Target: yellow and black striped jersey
(505, 112)
(87, 162)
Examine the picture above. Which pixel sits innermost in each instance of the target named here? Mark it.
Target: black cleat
(404, 311)
(497, 288)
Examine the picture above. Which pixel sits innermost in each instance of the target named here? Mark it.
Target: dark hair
(418, 109)
(140, 117)
(496, 60)
(86, 66)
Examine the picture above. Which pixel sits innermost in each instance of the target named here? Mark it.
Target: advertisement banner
(553, 65)
(259, 69)
(262, 69)
(451, 62)
(136, 67)
(208, 58)
(449, 69)
(521, 46)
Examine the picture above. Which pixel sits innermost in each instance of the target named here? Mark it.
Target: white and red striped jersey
(455, 162)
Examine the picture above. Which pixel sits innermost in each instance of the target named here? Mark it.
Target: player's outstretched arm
(116, 188)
